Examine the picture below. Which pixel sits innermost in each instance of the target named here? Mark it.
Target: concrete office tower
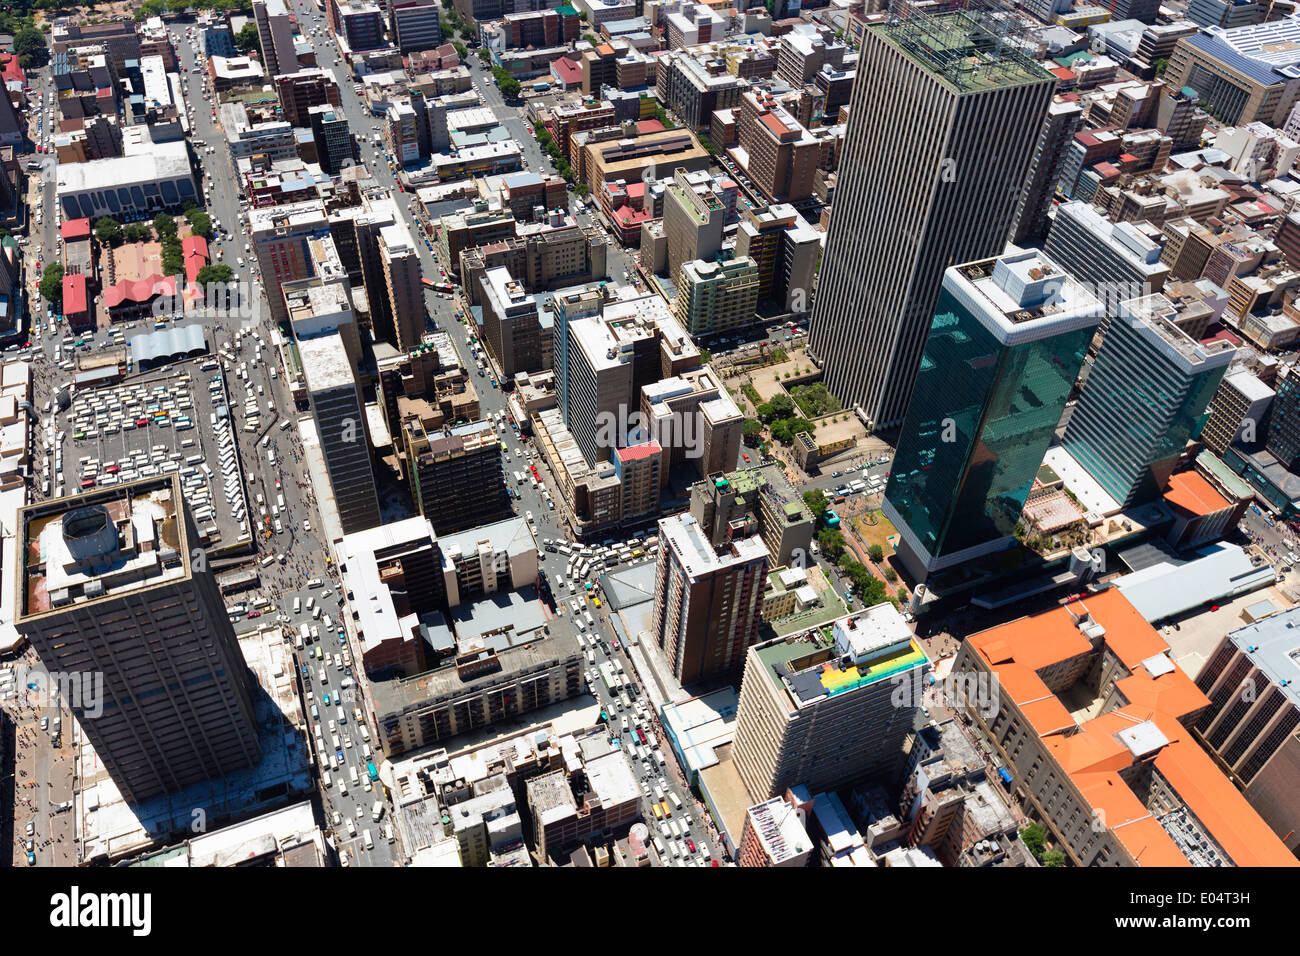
(11, 129)
(821, 710)
(299, 92)
(786, 250)
(457, 479)
(275, 34)
(1226, 13)
(1283, 437)
(336, 147)
(280, 237)
(510, 323)
(413, 24)
(692, 223)
(714, 297)
(774, 835)
(708, 603)
(405, 291)
(1115, 258)
(1237, 411)
(599, 386)
(1008, 338)
(568, 308)
(340, 418)
(108, 585)
(1145, 399)
(942, 128)
(1254, 736)
(1058, 130)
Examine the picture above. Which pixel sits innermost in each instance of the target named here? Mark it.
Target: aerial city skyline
(649, 433)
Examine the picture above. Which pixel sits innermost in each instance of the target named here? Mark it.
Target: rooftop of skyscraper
(1271, 645)
(962, 50)
(1024, 296)
(1156, 313)
(86, 548)
(683, 535)
(852, 652)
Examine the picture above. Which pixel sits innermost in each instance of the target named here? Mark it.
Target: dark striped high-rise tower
(945, 117)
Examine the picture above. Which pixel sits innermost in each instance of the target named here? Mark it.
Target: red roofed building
(1066, 79)
(195, 250)
(639, 468)
(1201, 513)
(129, 300)
(566, 72)
(648, 126)
(74, 229)
(11, 70)
(77, 303)
(626, 206)
(1093, 721)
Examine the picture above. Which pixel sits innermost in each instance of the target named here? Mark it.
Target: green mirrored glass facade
(979, 423)
(1145, 399)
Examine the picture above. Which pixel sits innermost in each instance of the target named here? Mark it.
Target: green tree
(750, 430)
(782, 405)
(1054, 858)
(765, 412)
(214, 274)
(891, 575)
(137, 232)
(1161, 64)
(246, 40)
(485, 54)
(1034, 837)
(52, 283)
(200, 223)
(707, 144)
(107, 230)
(590, 38)
(816, 502)
(876, 553)
(164, 225)
(29, 45)
(831, 542)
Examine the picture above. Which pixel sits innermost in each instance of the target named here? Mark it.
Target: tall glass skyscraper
(1007, 340)
(1144, 400)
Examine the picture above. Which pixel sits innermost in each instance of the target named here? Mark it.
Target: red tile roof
(649, 126)
(74, 294)
(1094, 757)
(141, 291)
(195, 249)
(637, 452)
(566, 70)
(75, 229)
(1191, 493)
(10, 69)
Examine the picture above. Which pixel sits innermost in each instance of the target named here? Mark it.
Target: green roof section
(566, 11)
(1217, 467)
(962, 51)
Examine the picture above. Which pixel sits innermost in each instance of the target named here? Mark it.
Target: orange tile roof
(1220, 806)
(1094, 755)
(1190, 492)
